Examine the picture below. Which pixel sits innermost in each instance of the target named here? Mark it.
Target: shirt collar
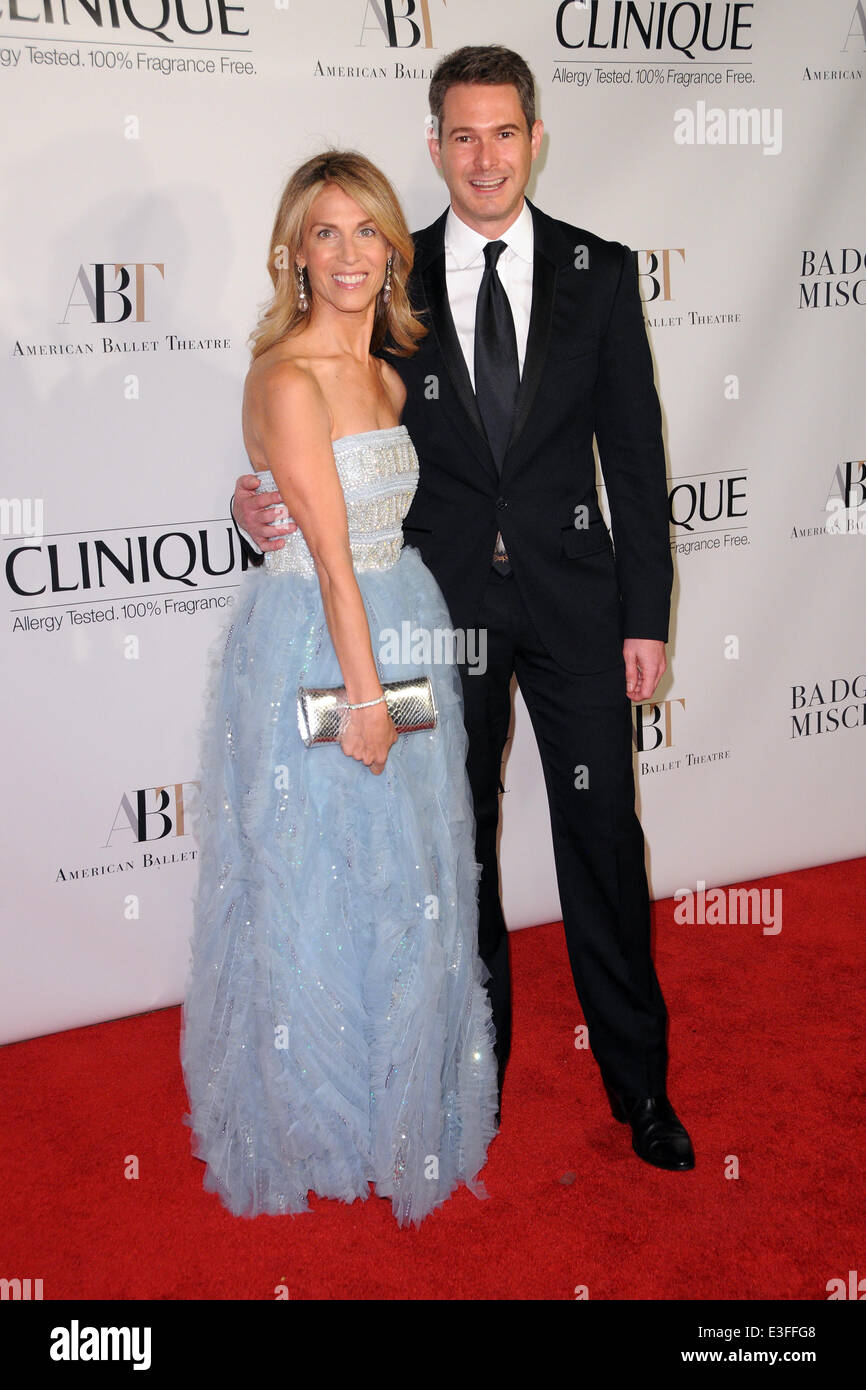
(466, 246)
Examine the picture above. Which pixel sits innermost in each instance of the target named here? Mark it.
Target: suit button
(501, 503)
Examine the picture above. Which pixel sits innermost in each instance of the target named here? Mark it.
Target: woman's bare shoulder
(282, 380)
(283, 398)
(282, 362)
(393, 383)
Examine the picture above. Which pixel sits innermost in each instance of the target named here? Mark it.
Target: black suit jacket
(587, 370)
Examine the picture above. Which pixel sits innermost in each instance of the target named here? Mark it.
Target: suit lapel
(549, 250)
(543, 281)
(436, 292)
(430, 273)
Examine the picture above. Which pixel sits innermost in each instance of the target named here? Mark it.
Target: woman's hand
(368, 735)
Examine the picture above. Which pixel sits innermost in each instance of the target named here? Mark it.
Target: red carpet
(767, 1065)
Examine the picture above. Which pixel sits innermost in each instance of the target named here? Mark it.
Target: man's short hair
(490, 65)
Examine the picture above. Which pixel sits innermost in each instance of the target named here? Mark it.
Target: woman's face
(344, 252)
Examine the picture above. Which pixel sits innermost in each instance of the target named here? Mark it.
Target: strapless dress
(336, 1030)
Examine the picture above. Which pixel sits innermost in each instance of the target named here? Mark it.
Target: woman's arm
(294, 428)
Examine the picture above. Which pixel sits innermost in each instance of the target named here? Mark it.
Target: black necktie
(497, 375)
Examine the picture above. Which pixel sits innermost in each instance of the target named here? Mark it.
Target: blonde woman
(336, 1029)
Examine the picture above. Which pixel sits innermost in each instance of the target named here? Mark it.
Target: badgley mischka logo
(826, 706)
(828, 277)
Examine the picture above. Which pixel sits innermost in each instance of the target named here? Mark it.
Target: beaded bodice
(378, 470)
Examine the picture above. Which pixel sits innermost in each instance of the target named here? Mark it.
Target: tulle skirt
(336, 1031)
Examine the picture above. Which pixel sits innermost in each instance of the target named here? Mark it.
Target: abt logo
(97, 292)
(851, 483)
(153, 813)
(848, 509)
(654, 272)
(385, 15)
(653, 725)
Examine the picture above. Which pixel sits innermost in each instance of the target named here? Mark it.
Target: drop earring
(386, 288)
(303, 302)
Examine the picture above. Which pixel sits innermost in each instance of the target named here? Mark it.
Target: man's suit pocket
(571, 345)
(575, 354)
(578, 541)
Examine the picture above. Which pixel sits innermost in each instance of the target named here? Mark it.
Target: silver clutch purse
(322, 712)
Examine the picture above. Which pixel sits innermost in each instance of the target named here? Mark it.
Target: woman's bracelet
(365, 704)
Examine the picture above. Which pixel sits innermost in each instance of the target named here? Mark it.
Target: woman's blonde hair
(361, 180)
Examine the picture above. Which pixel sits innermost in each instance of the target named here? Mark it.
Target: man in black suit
(537, 342)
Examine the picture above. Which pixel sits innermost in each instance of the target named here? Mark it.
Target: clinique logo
(168, 21)
(115, 564)
(629, 26)
(712, 510)
(696, 502)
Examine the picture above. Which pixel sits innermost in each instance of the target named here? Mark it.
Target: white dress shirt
(464, 267)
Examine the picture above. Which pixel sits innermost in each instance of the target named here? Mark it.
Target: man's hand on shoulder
(267, 521)
(645, 664)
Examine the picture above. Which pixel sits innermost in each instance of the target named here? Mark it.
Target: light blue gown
(336, 1031)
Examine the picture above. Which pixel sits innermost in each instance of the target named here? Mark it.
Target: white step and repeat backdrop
(146, 143)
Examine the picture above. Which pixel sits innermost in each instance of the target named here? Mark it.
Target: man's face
(485, 154)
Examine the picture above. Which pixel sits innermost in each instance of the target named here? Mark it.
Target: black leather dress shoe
(658, 1136)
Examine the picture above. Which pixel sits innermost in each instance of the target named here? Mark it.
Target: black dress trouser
(580, 721)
